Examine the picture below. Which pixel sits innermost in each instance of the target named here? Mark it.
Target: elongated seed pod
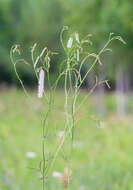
(41, 83)
(69, 43)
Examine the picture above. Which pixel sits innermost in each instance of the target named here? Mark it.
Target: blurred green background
(103, 153)
(103, 144)
(29, 21)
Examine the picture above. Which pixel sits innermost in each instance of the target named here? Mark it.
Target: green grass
(103, 147)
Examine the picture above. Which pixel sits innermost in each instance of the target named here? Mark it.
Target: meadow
(102, 157)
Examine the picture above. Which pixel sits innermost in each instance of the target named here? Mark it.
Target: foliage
(27, 22)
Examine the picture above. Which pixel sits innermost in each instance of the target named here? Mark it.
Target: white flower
(41, 84)
(30, 155)
(57, 175)
(69, 43)
(77, 37)
(61, 134)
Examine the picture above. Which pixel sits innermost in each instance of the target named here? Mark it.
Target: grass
(102, 156)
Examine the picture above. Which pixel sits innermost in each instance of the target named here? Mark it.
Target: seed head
(41, 83)
(69, 43)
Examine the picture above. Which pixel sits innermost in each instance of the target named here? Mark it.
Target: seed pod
(69, 43)
(41, 84)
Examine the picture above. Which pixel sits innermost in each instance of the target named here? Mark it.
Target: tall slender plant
(76, 56)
